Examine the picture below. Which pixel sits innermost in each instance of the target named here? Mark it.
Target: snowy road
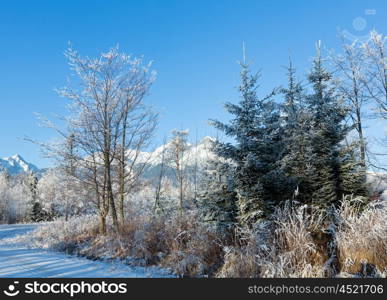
(17, 260)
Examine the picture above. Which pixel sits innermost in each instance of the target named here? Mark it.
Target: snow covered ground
(17, 260)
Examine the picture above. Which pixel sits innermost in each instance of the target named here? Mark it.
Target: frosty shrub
(14, 199)
(297, 241)
(297, 249)
(182, 244)
(63, 236)
(141, 241)
(242, 260)
(193, 249)
(362, 236)
(282, 247)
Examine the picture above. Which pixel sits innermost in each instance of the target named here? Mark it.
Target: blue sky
(194, 45)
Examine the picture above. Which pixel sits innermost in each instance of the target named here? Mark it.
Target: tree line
(303, 148)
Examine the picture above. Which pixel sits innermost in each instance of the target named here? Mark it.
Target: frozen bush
(193, 249)
(61, 235)
(362, 235)
(283, 247)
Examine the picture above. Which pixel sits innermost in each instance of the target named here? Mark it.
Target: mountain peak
(16, 164)
(207, 140)
(17, 157)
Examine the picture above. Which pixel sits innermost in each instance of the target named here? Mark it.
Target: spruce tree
(32, 182)
(353, 171)
(255, 152)
(296, 125)
(37, 213)
(327, 133)
(218, 199)
(295, 139)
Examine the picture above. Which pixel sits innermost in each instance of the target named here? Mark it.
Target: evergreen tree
(38, 214)
(32, 182)
(320, 166)
(353, 171)
(296, 125)
(327, 133)
(259, 183)
(218, 199)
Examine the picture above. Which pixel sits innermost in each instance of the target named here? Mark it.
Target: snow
(18, 260)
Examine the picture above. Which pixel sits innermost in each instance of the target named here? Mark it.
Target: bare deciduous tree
(177, 152)
(69, 166)
(137, 125)
(107, 119)
(160, 178)
(351, 72)
(376, 55)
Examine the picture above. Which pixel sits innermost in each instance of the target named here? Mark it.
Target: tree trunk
(122, 188)
(181, 196)
(123, 166)
(121, 208)
(362, 150)
(109, 188)
(360, 130)
(67, 212)
(102, 225)
(111, 203)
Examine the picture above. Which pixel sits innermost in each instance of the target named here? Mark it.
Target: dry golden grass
(296, 250)
(284, 247)
(362, 236)
(241, 260)
(192, 249)
(183, 245)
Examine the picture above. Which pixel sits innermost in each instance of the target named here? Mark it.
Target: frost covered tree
(218, 201)
(256, 150)
(353, 173)
(177, 152)
(375, 51)
(295, 138)
(69, 166)
(37, 213)
(15, 198)
(195, 171)
(328, 160)
(106, 119)
(351, 80)
(32, 182)
(137, 127)
(160, 179)
(5, 205)
(61, 197)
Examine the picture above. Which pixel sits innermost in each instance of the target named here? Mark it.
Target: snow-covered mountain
(196, 155)
(16, 164)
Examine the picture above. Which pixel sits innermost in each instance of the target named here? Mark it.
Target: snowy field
(18, 260)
